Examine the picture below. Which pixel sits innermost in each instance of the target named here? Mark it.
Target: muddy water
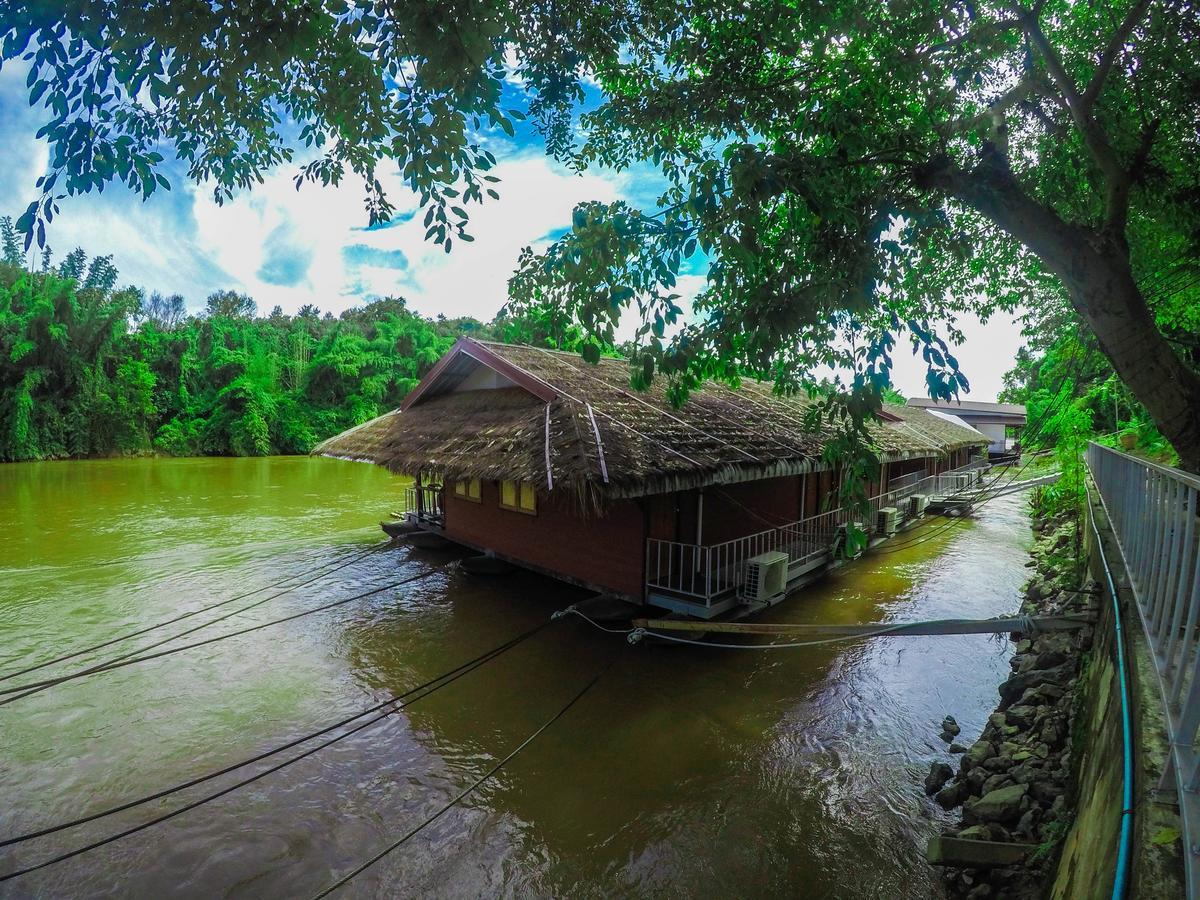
(685, 771)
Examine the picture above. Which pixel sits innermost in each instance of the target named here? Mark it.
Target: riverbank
(1014, 784)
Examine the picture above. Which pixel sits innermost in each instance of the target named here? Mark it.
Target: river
(685, 771)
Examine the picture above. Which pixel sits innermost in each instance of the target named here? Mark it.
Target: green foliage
(89, 370)
(849, 176)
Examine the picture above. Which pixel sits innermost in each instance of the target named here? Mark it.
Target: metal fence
(705, 573)
(1152, 510)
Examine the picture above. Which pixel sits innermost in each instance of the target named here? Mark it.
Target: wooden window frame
(466, 495)
(517, 488)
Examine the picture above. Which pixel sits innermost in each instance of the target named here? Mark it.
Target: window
(467, 490)
(519, 496)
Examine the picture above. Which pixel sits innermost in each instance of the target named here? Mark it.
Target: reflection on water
(686, 771)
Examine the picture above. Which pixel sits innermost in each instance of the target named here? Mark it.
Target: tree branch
(1118, 192)
(973, 35)
(1093, 135)
(1135, 15)
(992, 190)
(1014, 95)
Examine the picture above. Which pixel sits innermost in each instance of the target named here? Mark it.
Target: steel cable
(25, 690)
(355, 557)
(398, 702)
(445, 808)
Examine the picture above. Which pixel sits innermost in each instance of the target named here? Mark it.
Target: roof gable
(462, 361)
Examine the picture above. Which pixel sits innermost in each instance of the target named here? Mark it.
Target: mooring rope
(25, 690)
(341, 564)
(397, 703)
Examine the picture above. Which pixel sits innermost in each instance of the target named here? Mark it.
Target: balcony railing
(707, 573)
(423, 504)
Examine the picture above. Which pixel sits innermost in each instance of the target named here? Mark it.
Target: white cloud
(536, 197)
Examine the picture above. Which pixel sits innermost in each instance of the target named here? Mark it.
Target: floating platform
(396, 528)
(487, 565)
(428, 540)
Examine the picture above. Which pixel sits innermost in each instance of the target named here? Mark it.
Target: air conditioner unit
(841, 540)
(887, 520)
(765, 577)
(917, 504)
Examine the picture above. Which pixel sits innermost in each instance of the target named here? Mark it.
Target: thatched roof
(554, 420)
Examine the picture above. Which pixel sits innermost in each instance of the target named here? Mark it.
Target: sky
(290, 248)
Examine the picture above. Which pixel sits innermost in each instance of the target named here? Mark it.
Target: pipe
(1121, 876)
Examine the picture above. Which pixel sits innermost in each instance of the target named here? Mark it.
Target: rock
(1018, 684)
(997, 720)
(975, 781)
(1052, 658)
(952, 795)
(1045, 792)
(957, 748)
(980, 892)
(1040, 696)
(1002, 805)
(998, 764)
(979, 751)
(995, 782)
(1021, 716)
(939, 774)
(950, 727)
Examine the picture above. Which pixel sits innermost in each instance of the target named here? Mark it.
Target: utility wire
(125, 637)
(25, 690)
(358, 870)
(397, 702)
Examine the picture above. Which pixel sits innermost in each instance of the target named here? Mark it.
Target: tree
(230, 304)
(166, 312)
(850, 172)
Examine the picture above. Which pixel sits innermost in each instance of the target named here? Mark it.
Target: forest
(90, 369)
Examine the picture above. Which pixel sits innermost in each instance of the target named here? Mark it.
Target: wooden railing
(423, 504)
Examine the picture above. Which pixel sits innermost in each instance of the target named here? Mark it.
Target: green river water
(685, 771)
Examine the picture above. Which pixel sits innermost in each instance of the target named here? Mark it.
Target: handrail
(1152, 510)
(705, 571)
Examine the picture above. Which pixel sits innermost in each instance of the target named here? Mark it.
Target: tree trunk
(1103, 292)
(1094, 268)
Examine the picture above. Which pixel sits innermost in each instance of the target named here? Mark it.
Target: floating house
(554, 464)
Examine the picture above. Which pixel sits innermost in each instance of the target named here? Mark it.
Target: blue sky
(290, 248)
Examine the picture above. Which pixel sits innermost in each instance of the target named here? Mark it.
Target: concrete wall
(1089, 853)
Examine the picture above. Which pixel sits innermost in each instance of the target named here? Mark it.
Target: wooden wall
(606, 551)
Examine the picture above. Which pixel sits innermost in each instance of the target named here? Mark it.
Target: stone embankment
(1014, 783)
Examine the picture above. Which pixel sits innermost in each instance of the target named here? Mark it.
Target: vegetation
(1071, 390)
(86, 369)
(850, 173)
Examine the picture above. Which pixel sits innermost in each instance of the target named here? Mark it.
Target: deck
(706, 581)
